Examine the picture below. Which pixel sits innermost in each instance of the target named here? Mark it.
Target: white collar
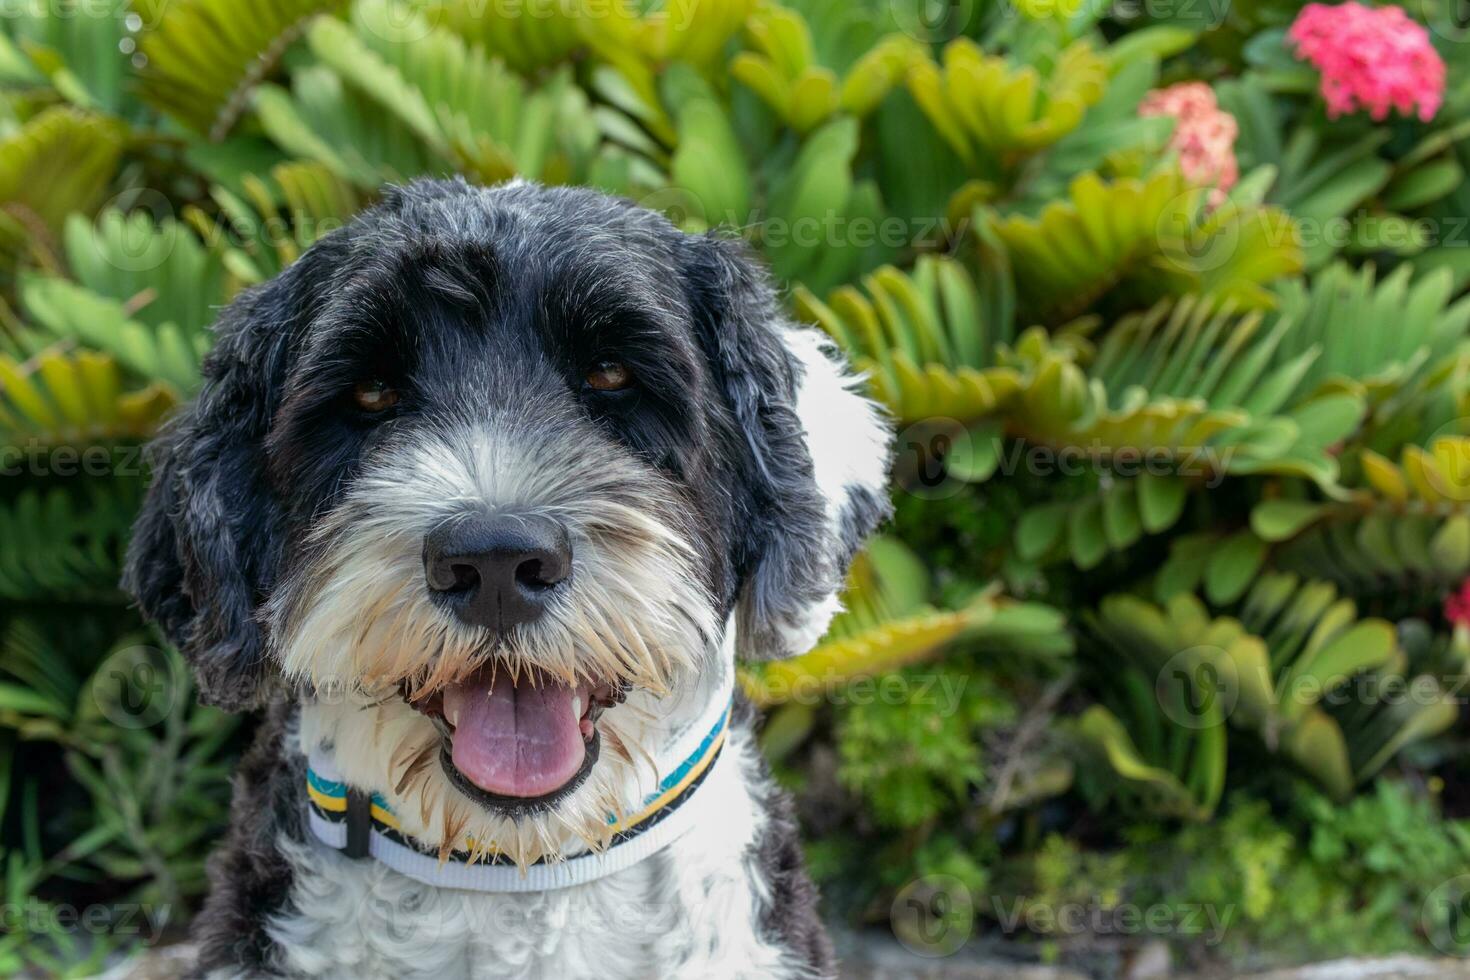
(362, 824)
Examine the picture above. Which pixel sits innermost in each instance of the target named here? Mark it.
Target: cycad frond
(204, 57)
(76, 398)
(927, 340)
(58, 163)
(887, 623)
(1147, 239)
(64, 545)
(986, 107)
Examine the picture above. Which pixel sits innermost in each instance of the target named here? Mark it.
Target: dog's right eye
(374, 397)
(609, 376)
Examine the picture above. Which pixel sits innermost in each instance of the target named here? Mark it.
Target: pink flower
(1204, 135)
(1372, 58)
(1457, 605)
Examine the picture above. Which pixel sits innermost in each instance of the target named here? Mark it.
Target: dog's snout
(498, 572)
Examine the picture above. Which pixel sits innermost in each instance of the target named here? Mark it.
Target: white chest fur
(690, 910)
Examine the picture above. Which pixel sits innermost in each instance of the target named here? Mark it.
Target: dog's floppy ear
(813, 454)
(205, 545)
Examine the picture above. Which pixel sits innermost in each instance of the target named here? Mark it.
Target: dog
(478, 503)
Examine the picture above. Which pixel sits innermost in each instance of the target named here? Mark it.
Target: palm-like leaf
(59, 162)
(785, 72)
(926, 341)
(1150, 238)
(158, 269)
(537, 34)
(205, 56)
(323, 120)
(74, 49)
(166, 352)
(1274, 669)
(887, 623)
(77, 398)
(67, 546)
(987, 108)
(267, 229)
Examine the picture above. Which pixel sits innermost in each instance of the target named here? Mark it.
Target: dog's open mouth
(519, 742)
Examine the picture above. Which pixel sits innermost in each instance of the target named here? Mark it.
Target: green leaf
(975, 457)
(24, 701)
(1039, 529)
(1277, 520)
(204, 56)
(709, 164)
(1423, 185)
(1086, 540)
(1233, 567)
(1449, 549)
(1160, 501)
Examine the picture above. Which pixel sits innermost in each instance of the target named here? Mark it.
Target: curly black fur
(249, 878)
(791, 919)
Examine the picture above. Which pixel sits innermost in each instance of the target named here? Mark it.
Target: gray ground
(875, 956)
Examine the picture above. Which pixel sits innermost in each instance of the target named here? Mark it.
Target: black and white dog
(494, 484)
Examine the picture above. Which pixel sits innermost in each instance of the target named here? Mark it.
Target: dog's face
(486, 475)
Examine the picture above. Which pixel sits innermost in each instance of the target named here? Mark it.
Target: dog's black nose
(498, 572)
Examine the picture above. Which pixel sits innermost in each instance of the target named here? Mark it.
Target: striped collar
(361, 824)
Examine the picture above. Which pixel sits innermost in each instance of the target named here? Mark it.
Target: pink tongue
(516, 739)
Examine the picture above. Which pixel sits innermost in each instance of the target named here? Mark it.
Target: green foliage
(152, 766)
(1147, 238)
(991, 112)
(783, 69)
(59, 162)
(927, 341)
(203, 57)
(910, 748)
(1319, 879)
(66, 545)
(56, 398)
(1273, 672)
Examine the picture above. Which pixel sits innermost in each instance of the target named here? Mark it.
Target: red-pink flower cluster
(1457, 605)
(1372, 58)
(1204, 134)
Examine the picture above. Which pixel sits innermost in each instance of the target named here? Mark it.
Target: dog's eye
(609, 376)
(374, 396)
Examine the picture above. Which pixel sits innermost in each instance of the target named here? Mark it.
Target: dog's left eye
(374, 396)
(609, 376)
